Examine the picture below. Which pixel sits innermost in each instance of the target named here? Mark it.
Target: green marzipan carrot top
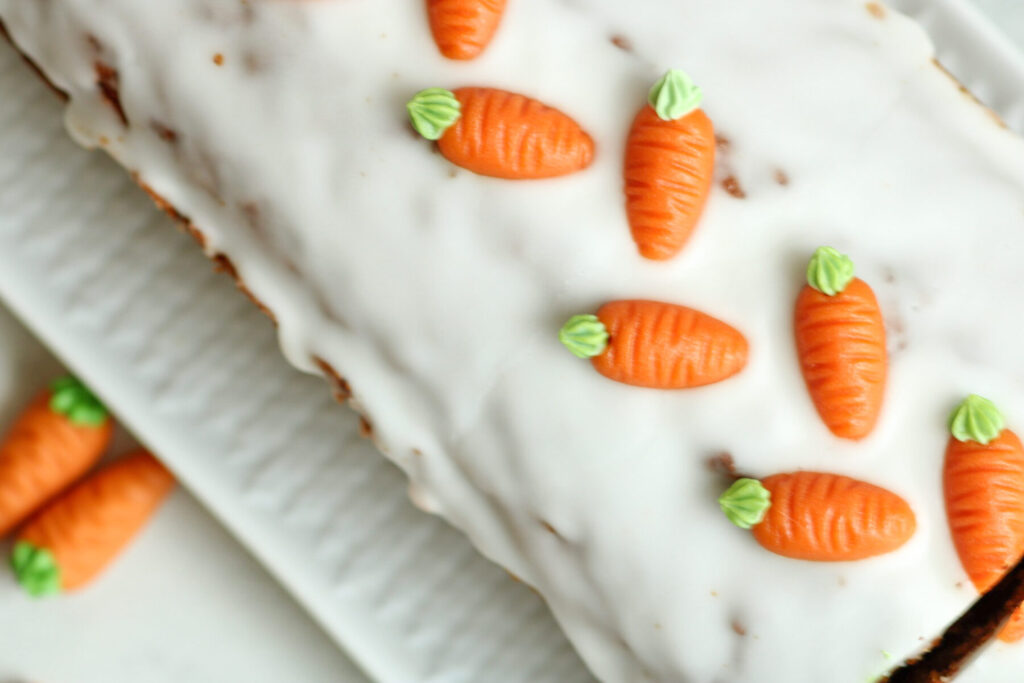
(35, 569)
(976, 419)
(71, 398)
(829, 271)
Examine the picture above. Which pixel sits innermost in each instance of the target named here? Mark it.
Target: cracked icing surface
(438, 296)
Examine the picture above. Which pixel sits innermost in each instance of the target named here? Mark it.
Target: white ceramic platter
(194, 370)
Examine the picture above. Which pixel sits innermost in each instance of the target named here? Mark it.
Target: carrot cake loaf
(698, 317)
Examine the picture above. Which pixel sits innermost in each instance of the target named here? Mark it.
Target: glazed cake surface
(279, 129)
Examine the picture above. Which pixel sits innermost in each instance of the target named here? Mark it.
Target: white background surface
(185, 603)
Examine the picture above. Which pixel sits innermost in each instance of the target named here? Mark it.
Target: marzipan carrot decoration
(655, 344)
(61, 434)
(500, 134)
(669, 167)
(840, 341)
(70, 542)
(983, 480)
(463, 28)
(819, 516)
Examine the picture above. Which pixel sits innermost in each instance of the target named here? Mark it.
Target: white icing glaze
(439, 294)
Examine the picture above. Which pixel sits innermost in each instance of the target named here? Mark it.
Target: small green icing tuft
(433, 111)
(976, 419)
(584, 335)
(829, 272)
(71, 398)
(746, 502)
(36, 570)
(674, 96)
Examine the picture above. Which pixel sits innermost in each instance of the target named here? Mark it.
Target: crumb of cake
(722, 142)
(714, 594)
(165, 206)
(622, 42)
(107, 81)
(723, 464)
(781, 177)
(551, 530)
(657, 625)
(163, 132)
(104, 140)
(733, 187)
(875, 10)
(453, 173)
(417, 452)
(218, 59)
(841, 581)
(253, 62)
(738, 628)
(342, 391)
(899, 331)
(223, 264)
(365, 428)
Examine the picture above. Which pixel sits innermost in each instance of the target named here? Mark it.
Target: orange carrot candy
(67, 544)
(463, 28)
(61, 434)
(819, 516)
(500, 134)
(840, 341)
(983, 478)
(669, 166)
(657, 345)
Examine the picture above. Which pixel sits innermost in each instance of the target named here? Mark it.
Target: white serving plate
(194, 370)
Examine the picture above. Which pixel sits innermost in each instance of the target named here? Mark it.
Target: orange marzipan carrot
(507, 135)
(831, 518)
(463, 28)
(840, 340)
(44, 451)
(669, 167)
(500, 134)
(666, 346)
(85, 529)
(984, 492)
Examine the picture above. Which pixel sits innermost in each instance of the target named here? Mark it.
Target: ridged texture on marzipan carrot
(831, 518)
(506, 135)
(41, 454)
(665, 346)
(841, 346)
(668, 171)
(87, 527)
(984, 490)
(463, 28)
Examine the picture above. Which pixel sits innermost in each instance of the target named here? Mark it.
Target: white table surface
(185, 602)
